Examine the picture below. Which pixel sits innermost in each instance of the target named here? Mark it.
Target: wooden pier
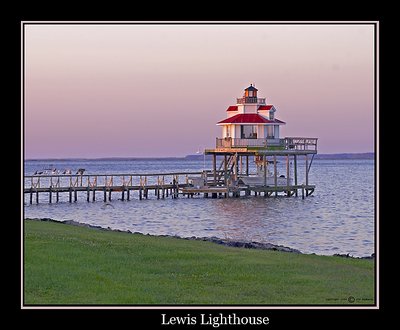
(163, 185)
(231, 178)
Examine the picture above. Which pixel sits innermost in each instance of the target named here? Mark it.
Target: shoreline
(213, 239)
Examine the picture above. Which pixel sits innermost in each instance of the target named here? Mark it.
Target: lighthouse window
(248, 132)
(271, 115)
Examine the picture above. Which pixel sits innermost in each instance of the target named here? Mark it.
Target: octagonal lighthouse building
(251, 118)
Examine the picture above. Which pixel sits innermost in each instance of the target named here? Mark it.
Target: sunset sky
(158, 90)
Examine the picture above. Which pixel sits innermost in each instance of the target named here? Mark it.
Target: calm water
(338, 218)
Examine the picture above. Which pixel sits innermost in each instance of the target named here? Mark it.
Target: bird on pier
(54, 171)
(67, 171)
(38, 173)
(80, 171)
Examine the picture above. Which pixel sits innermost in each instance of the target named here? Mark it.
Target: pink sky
(159, 90)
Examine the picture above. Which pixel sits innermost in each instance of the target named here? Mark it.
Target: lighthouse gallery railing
(288, 143)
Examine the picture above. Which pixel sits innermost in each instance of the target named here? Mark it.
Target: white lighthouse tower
(251, 118)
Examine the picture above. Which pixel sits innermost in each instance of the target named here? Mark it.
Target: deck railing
(244, 100)
(301, 143)
(288, 143)
(237, 143)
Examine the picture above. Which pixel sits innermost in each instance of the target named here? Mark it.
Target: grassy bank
(66, 264)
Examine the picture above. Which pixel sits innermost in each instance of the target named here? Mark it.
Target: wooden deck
(287, 145)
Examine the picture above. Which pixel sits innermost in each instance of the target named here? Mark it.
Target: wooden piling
(88, 194)
(302, 191)
(275, 177)
(236, 168)
(109, 195)
(123, 194)
(37, 197)
(140, 193)
(75, 195)
(265, 169)
(176, 188)
(94, 195)
(215, 167)
(306, 170)
(57, 196)
(70, 195)
(105, 194)
(247, 165)
(295, 172)
(288, 175)
(225, 170)
(127, 194)
(50, 195)
(30, 196)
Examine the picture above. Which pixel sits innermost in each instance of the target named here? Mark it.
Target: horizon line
(168, 157)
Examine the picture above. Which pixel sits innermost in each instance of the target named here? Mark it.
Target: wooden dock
(163, 185)
(226, 180)
(160, 185)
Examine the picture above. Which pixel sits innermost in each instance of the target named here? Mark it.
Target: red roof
(232, 108)
(279, 121)
(265, 107)
(261, 107)
(249, 118)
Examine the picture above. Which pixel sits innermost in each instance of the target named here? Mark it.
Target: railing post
(306, 169)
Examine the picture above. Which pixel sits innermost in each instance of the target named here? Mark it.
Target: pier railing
(288, 143)
(105, 180)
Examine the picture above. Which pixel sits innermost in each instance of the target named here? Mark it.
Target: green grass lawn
(66, 264)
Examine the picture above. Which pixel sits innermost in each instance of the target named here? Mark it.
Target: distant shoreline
(337, 156)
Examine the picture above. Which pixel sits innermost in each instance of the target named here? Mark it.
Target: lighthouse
(251, 132)
(251, 118)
